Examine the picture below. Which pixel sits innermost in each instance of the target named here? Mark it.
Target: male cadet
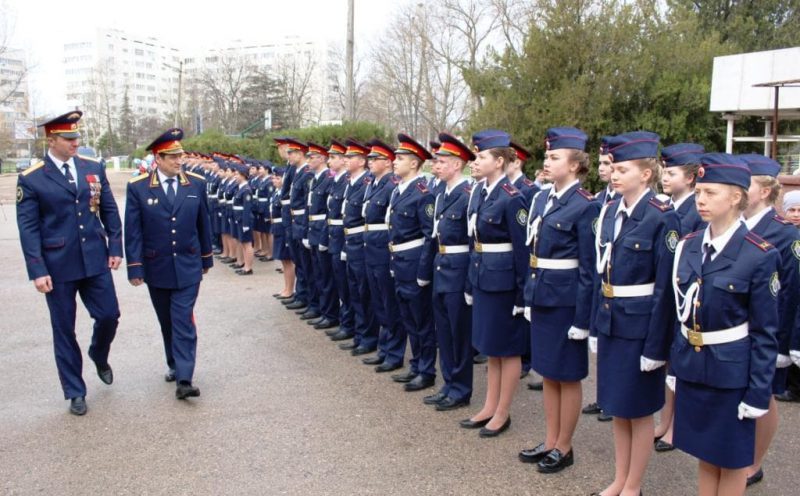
(453, 316)
(435, 183)
(392, 336)
(335, 242)
(410, 220)
(71, 235)
(515, 174)
(365, 339)
(213, 181)
(168, 245)
(318, 238)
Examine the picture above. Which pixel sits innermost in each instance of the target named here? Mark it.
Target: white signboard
(23, 130)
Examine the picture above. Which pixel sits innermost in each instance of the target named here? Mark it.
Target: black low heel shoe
(474, 424)
(494, 433)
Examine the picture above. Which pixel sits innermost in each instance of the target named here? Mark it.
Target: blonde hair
(582, 159)
(508, 155)
(745, 201)
(774, 187)
(654, 166)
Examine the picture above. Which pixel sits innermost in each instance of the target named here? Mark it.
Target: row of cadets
(633, 319)
(336, 240)
(280, 240)
(227, 228)
(559, 292)
(726, 283)
(497, 270)
(452, 315)
(410, 221)
(261, 184)
(317, 236)
(293, 153)
(242, 214)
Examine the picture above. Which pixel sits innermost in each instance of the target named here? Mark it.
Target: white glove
(323, 248)
(671, 382)
(783, 361)
(593, 344)
(795, 354)
(343, 256)
(422, 283)
(468, 298)
(517, 311)
(527, 313)
(245, 229)
(577, 334)
(647, 365)
(747, 411)
(306, 244)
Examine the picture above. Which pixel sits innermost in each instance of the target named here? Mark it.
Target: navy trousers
(392, 335)
(100, 299)
(175, 311)
(454, 335)
(312, 285)
(339, 270)
(366, 327)
(296, 250)
(416, 317)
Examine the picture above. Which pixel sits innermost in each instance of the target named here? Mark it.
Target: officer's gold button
(174, 243)
(173, 219)
(173, 231)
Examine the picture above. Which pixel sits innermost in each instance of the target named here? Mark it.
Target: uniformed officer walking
(71, 235)
(168, 245)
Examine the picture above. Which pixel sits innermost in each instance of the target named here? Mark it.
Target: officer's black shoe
(755, 478)
(375, 360)
(434, 399)
(333, 331)
(77, 406)
(361, 350)
(245, 272)
(534, 455)
(419, 383)
(313, 322)
(555, 461)
(388, 367)
(326, 324)
(604, 418)
(788, 396)
(105, 373)
(448, 404)
(536, 386)
(310, 315)
(479, 359)
(404, 378)
(591, 409)
(342, 335)
(170, 375)
(296, 305)
(301, 311)
(486, 432)
(186, 390)
(348, 346)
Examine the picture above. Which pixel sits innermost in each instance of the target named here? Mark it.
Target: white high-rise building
(16, 127)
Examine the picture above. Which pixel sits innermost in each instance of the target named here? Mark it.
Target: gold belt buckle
(478, 247)
(608, 290)
(442, 250)
(534, 261)
(391, 247)
(695, 338)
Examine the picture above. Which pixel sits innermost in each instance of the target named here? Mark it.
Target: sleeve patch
(20, 195)
(774, 284)
(796, 249)
(429, 210)
(522, 217)
(672, 240)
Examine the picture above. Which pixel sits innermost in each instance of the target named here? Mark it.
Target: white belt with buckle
(277, 220)
(632, 291)
(354, 230)
(408, 245)
(377, 227)
(317, 217)
(553, 263)
(449, 250)
(238, 208)
(722, 336)
(335, 222)
(494, 247)
(229, 202)
(299, 212)
(286, 202)
(263, 199)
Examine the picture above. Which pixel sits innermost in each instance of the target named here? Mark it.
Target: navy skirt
(623, 390)
(708, 428)
(553, 355)
(495, 332)
(280, 248)
(244, 235)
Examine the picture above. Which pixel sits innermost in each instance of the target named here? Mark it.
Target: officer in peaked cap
(71, 235)
(516, 173)
(168, 245)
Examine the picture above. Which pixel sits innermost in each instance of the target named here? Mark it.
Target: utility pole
(349, 105)
(180, 84)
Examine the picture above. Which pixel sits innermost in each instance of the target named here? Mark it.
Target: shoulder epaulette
(510, 189)
(90, 159)
(198, 176)
(528, 182)
(367, 179)
(757, 240)
(421, 187)
(394, 179)
(585, 194)
(692, 235)
(38, 165)
(138, 178)
(778, 218)
(664, 207)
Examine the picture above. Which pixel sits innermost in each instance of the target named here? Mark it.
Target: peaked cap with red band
(169, 142)
(409, 146)
(453, 147)
(65, 125)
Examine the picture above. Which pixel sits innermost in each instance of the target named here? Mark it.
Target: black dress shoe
(448, 404)
(313, 322)
(604, 418)
(788, 397)
(433, 399)
(77, 406)
(419, 383)
(361, 350)
(105, 373)
(536, 386)
(534, 455)
(404, 378)
(276, 295)
(170, 375)
(374, 360)
(342, 335)
(309, 315)
(486, 432)
(555, 461)
(348, 346)
(591, 409)
(479, 359)
(245, 272)
(755, 478)
(226, 260)
(284, 298)
(326, 324)
(236, 266)
(288, 301)
(663, 446)
(388, 367)
(333, 331)
(474, 424)
(296, 305)
(184, 391)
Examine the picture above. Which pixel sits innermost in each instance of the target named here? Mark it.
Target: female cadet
(498, 267)
(762, 219)
(559, 291)
(679, 175)
(726, 287)
(280, 245)
(636, 239)
(243, 221)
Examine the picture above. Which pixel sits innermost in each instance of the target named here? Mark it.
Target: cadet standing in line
(243, 220)
(516, 173)
(633, 320)
(213, 183)
(559, 292)
(280, 244)
(724, 361)
(298, 198)
(791, 209)
(497, 273)
(435, 183)
(410, 220)
(452, 314)
(71, 235)
(168, 245)
(262, 196)
(292, 152)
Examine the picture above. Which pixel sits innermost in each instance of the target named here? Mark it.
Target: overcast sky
(42, 27)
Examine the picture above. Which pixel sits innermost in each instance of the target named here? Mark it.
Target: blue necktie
(170, 191)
